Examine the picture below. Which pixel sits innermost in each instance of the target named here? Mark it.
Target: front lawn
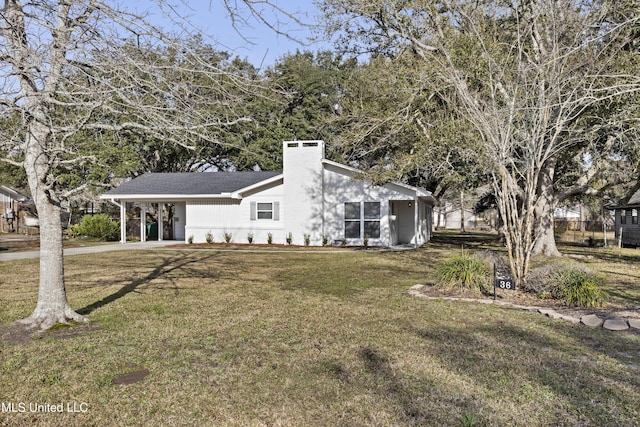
(306, 339)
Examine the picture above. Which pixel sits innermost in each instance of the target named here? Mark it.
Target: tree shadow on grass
(168, 265)
(476, 239)
(589, 370)
(379, 366)
(413, 398)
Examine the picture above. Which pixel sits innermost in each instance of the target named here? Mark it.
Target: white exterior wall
(311, 201)
(220, 216)
(340, 187)
(303, 190)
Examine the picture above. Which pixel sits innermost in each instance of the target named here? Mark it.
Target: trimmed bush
(580, 288)
(463, 271)
(99, 227)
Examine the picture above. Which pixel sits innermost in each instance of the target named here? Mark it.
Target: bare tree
(522, 73)
(80, 70)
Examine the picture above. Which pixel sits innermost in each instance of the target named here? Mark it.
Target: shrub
(190, 239)
(463, 271)
(250, 237)
(269, 238)
(227, 237)
(208, 237)
(289, 239)
(325, 240)
(579, 288)
(307, 239)
(99, 227)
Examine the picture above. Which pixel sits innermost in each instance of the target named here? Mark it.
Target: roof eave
(238, 193)
(164, 197)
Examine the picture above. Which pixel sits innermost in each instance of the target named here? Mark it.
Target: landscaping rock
(591, 320)
(550, 313)
(616, 324)
(570, 319)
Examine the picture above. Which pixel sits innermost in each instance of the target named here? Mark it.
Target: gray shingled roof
(189, 183)
(635, 199)
(633, 202)
(13, 194)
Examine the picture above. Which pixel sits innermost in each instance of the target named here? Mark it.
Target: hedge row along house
(311, 201)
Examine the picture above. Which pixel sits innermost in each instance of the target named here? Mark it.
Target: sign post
(502, 280)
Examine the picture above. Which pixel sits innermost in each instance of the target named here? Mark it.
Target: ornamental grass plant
(580, 288)
(465, 272)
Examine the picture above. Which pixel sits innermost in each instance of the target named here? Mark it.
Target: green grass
(307, 339)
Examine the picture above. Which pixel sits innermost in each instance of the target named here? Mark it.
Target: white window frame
(365, 217)
(264, 211)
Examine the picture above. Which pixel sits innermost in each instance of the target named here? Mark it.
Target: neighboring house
(627, 228)
(567, 213)
(13, 206)
(312, 197)
(450, 217)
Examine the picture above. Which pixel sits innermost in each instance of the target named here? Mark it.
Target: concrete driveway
(12, 256)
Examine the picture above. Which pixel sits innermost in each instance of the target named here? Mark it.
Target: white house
(312, 197)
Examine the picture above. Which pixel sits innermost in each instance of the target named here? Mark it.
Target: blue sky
(261, 45)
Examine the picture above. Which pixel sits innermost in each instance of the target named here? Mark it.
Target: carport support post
(143, 223)
(123, 222)
(160, 221)
(415, 221)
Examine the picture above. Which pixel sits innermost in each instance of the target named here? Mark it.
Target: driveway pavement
(12, 256)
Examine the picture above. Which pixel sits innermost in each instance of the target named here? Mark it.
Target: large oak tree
(81, 77)
(524, 74)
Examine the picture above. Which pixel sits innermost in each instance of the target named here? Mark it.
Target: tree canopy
(525, 76)
(81, 81)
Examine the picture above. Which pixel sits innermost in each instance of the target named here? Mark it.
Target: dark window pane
(351, 210)
(352, 229)
(372, 229)
(265, 215)
(372, 210)
(264, 206)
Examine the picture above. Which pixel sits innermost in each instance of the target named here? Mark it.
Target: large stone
(570, 319)
(634, 323)
(550, 313)
(591, 320)
(416, 287)
(616, 324)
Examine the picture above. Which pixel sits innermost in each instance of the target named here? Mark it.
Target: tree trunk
(52, 306)
(545, 240)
